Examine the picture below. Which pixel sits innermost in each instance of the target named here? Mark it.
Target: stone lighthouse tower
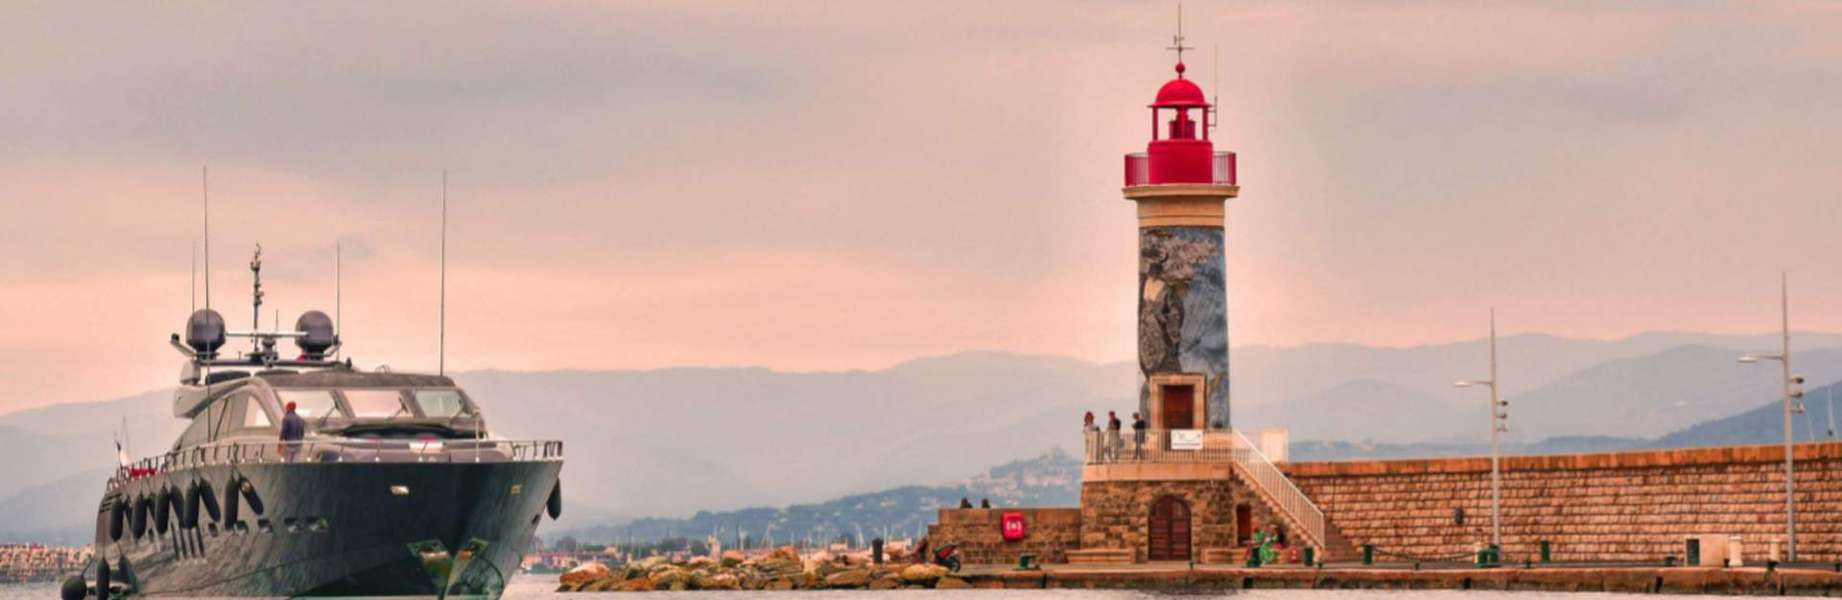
(1180, 184)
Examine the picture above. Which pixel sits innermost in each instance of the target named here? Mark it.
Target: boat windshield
(375, 404)
(309, 404)
(440, 403)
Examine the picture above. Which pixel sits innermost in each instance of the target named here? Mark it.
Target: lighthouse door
(1169, 535)
(1179, 407)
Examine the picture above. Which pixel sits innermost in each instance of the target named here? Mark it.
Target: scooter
(948, 556)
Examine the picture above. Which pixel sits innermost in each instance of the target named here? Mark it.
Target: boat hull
(434, 529)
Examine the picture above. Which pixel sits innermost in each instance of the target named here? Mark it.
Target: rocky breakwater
(783, 569)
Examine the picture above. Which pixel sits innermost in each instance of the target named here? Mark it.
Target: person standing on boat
(293, 430)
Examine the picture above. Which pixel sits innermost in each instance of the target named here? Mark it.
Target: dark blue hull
(434, 529)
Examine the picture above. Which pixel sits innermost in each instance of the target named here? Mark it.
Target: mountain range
(670, 442)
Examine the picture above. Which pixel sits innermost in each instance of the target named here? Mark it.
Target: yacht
(397, 487)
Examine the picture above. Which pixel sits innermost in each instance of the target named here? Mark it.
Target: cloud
(834, 186)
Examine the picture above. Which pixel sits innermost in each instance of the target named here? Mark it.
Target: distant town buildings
(22, 563)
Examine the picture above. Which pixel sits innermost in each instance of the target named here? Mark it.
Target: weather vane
(1177, 40)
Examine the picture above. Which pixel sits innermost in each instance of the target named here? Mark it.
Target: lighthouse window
(373, 404)
(440, 403)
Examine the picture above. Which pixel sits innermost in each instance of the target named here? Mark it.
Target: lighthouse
(1180, 185)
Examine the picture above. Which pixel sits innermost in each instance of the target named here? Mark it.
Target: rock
(952, 583)
(602, 585)
(857, 559)
(779, 584)
(585, 573)
(733, 558)
(781, 566)
(923, 574)
(635, 585)
(701, 562)
(821, 556)
(822, 569)
(853, 579)
(886, 583)
(786, 553)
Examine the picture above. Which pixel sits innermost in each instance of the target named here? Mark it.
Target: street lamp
(1793, 392)
(1498, 425)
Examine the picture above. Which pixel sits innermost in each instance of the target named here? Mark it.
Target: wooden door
(1243, 525)
(1178, 407)
(1169, 535)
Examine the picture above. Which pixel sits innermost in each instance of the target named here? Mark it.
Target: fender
(554, 504)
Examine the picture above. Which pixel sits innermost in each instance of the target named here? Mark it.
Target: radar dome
(316, 331)
(204, 331)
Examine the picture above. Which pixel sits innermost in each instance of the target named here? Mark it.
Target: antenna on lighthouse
(1215, 87)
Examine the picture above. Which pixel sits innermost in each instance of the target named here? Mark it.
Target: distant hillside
(1053, 479)
(1763, 425)
(664, 443)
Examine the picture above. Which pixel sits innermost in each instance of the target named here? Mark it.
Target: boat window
(309, 404)
(440, 403)
(373, 404)
(254, 415)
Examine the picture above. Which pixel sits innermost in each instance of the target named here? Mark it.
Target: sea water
(543, 587)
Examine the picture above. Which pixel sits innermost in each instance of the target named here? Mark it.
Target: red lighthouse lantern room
(1180, 151)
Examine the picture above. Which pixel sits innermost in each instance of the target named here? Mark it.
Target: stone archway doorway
(1169, 535)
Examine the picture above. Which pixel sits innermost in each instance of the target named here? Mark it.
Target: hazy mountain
(60, 512)
(1278, 386)
(1365, 409)
(1765, 423)
(667, 442)
(725, 438)
(1053, 479)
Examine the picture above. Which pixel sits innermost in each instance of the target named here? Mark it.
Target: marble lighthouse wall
(1183, 312)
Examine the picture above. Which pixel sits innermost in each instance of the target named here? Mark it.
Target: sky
(843, 185)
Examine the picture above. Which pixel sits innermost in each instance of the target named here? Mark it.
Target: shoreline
(1638, 580)
(787, 574)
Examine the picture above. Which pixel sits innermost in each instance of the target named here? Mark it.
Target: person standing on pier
(1090, 433)
(1112, 436)
(1138, 437)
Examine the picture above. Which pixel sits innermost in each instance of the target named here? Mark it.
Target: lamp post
(1793, 390)
(1498, 416)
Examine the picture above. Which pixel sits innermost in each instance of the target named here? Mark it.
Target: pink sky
(807, 186)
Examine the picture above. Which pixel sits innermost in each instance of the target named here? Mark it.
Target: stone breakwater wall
(1626, 506)
(1051, 533)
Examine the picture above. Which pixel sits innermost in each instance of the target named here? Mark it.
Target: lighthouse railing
(1222, 169)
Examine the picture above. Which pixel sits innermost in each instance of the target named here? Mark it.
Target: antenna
(1215, 87)
(204, 372)
(194, 287)
(338, 316)
(441, 335)
(255, 311)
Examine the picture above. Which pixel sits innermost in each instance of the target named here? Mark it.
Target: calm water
(541, 588)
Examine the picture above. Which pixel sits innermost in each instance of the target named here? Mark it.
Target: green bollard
(1368, 554)
(1310, 555)
(1547, 552)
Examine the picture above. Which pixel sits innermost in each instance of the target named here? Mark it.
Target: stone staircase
(1278, 493)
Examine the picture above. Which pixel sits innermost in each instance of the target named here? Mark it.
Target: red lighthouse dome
(1180, 92)
(1180, 151)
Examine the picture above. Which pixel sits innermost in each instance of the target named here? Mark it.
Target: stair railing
(1279, 488)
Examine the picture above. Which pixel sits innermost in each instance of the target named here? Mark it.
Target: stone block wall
(1624, 506)
(1117, 514)
(1049, 533)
